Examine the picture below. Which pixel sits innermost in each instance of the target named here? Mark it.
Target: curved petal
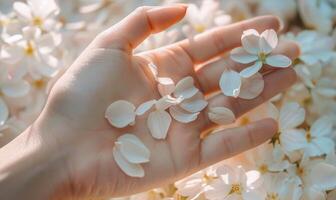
(120, 113)
(293, 140)
(240, 55)
(230, 83)
(291, 115)
(16, 88)
(166, 102)
(264, 46)
(130, 169)
(182, 116)
(195, 103)
(132, 148)
(221, 115)
(4, 113)
(322, 127)
(250, 42)
(166, 86)
(185, 88)
(278, 61)
(271, 37)
(22, 10)
(251, 70)
(143, 108)
(252, 87)
(158, 123)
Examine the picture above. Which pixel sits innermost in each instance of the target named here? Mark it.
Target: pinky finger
(229, 142)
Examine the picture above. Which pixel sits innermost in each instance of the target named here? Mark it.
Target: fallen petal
(130, 169)
(166, 102)
(166, 86)
(230, 83)
(185, 88)
(221, 115)
(143, 108)
(158, 123)
(195, 103)
(132, 148)
(252, 87)
(120, 113)
(182, 116)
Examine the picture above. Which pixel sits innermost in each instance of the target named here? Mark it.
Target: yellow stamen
(272, 196)
(244, 121)
(29, 49)
(262, 57)
(263, 169)
(39, 84)
(37, 21)
(199, 28)
(236, 188)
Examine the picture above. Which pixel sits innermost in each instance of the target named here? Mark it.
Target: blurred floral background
(39, 39)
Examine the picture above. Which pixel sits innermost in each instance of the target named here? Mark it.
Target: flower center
(37, 21)
(29, 49)
(300, 171)
(309, 137)
(236, 188)
(244, 121)
(39, 84)
(275, 139)
(263, 169)
(272, 196)
(262, 57)
(199, 28)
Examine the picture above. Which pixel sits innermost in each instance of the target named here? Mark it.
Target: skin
(67, 152)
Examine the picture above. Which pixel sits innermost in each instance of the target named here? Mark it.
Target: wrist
(29, 163)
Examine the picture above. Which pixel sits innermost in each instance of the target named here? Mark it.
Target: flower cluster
(298, 163)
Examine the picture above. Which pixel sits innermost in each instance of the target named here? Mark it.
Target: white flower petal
(166, 86)
(221, 115)
(252, 87)
(240, 55)
(251, 70)
(182, 116)
(120, 114)
(278, 61)
(230, 83)
(271, 37)
(185, 88)
(11, 54)
(143, 108)
(130, 169)
(322, 127)
(194, 104)
(291, 115)
(324, 176)
(250, 41)
(166, 102)
(16, 88)
(132, 149)
(158, 123)
(4, 113)
(293, 139)
(22, 10)
(264, 46)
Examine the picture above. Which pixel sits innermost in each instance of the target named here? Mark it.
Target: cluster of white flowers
(298, 163)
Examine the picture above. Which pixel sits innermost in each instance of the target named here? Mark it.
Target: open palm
(108, 71)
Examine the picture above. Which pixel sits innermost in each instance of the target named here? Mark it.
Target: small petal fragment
(143, 108)
(166, 86)
(278, 61)
(158, 123)
(230, 83)
(252, 87)
(120, 113)
(251, 70)
(133, 170)
(182, 116)
(221, 115)
(133, 149)
(185, 88)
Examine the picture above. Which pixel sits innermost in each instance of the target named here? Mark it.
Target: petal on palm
(195, 103)
(182, 116)
(130, 169)
(4, 113)
(16, 88)
(221, 115)
(166, 86)
(166, 102)
(291, 115)
(158, 123)
(143, 108)
(185, 88)
(132, 149)
(271, 37)
(251, 70)
(293, 139)
(240, 55)
(252, 87)
(230, 83)
(22, 9)
(278, 61)
(250, 42)
(120, 113)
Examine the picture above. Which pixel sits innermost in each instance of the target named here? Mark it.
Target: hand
(73, 123)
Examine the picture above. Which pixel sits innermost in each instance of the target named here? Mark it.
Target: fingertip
(272, 21)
